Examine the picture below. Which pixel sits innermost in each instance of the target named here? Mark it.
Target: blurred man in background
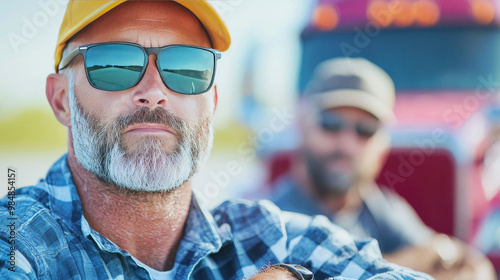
(347, 106)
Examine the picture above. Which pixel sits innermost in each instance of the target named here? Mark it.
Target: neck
(147, 225)
(345, 203)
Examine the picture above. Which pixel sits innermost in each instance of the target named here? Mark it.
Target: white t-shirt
(156, 274)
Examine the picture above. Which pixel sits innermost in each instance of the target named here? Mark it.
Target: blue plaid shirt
(54, 241)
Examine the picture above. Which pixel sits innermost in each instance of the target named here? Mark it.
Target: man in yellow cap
(134, 87)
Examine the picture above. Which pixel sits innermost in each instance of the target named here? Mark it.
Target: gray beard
(99, 149)
(327, 181)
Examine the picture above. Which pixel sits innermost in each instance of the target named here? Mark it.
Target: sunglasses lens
(114, 67)
(331, 122)
(366, 130)
(186, 70)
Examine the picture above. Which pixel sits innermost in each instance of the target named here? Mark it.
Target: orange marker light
(425, 12)
(325, 17)
(378, 12)
(483, 11)
(403, 12)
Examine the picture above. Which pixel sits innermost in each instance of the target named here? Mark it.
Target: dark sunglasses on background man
(116, 66)
(332, 122)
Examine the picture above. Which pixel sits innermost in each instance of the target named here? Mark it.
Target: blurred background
(444, 56)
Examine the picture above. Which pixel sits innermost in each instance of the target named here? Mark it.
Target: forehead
(148, 23)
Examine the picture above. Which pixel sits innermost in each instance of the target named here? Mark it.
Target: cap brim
(213, 23)
(357, 99)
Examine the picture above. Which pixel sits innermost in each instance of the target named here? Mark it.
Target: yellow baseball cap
(79, 14)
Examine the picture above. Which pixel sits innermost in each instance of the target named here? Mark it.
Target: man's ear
(57, 94)
(216, 97)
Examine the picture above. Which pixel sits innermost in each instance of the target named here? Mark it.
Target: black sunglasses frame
(65, 61)
(355, 126)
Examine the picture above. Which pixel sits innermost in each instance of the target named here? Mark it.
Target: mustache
(145, 115)
(142, 115)
(337, 155)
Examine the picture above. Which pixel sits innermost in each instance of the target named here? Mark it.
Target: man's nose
(151, 91)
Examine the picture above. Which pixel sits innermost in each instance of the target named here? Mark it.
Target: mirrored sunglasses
(331, 122)
(116, 66)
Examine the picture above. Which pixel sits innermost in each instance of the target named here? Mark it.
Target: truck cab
(444, 58)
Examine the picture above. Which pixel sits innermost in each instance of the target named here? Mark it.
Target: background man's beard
(100, 149)
(328, 181)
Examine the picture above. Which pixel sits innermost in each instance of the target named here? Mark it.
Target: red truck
(444, 58)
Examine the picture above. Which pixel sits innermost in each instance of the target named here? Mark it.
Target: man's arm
(422, 248)
(445, 258)
(279, 273)
(333, 253)
(313, 242)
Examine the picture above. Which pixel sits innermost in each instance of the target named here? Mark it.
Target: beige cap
(353, 82)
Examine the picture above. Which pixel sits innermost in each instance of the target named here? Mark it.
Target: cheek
(209, 101)
(105, 105)
(319, 141)
(364, 155)
(193, 108)
(365, 149)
